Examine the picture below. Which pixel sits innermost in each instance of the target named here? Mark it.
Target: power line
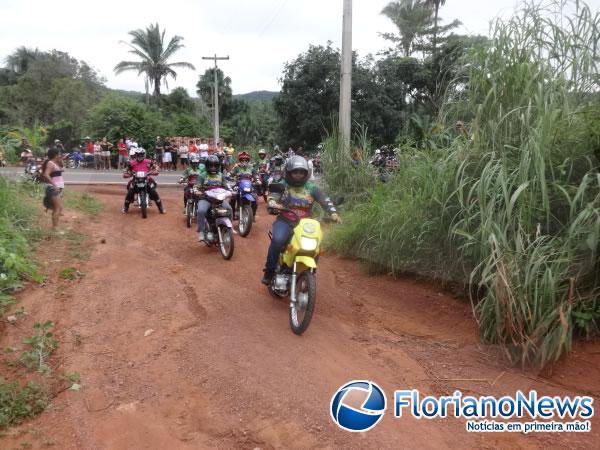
(281, 6)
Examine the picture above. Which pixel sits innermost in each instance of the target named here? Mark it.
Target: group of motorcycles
(295, 276)
(242, 196)
(385, 162)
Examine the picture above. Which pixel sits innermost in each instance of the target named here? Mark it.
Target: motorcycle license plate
(141, 185)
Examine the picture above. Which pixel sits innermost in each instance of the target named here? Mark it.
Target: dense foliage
(510, 209)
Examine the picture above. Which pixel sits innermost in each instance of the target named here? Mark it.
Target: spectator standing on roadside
(89, 146)
(174, 148)
(97, 155)
(123, 155)
(159, 147)
(184, 154)
(52, 173)
(166, 161)
(193, 148)
(203, 149)
(105, 147)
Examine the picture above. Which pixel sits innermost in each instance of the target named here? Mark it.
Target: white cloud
(258, 35)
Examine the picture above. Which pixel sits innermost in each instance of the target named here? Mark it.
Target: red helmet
(243, 156)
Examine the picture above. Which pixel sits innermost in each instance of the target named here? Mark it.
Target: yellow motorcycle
(295, 275)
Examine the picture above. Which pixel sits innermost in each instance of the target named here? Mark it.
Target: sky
(259, 36)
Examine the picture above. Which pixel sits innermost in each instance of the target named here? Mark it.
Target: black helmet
(195, 160)
(296, 163)
(278, 159)
(212, 164)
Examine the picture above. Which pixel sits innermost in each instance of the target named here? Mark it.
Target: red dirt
(222, 367)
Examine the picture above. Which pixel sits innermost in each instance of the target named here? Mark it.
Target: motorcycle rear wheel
(302, 310)
(226, 245)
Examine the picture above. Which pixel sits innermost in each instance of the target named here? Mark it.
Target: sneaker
(210, 236)
(201, 237)
(124, 210)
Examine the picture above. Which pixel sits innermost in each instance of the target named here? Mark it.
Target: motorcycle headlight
(308, 244)
(309, 228)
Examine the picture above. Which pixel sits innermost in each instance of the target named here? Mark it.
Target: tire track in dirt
(221, 367)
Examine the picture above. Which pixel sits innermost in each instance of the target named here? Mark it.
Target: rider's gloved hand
(336, 218)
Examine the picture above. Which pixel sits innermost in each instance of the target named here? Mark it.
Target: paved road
(86, 176)
(114, 177)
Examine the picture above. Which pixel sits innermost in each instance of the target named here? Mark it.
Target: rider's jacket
(191, 175)
(209, 181)
(262, 165)
(139, 166)
(301, 199)
(243, 171)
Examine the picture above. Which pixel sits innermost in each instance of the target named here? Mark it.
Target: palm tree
(436, 5)
(411, 17)
(148, 44)
(21, 58)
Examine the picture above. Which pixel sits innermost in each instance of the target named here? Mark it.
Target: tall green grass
(514, 211)
(16, 230)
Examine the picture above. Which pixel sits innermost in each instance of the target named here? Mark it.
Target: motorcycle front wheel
(302, 310)
(226, 245)
(144, 204)
(189, 213)
(246, 219)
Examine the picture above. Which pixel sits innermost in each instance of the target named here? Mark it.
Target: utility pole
(216, 98)
(346, 79)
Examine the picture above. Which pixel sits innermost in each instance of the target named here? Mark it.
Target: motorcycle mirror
(276, 188)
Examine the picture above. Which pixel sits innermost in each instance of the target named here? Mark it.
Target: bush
(512, 210)
(16, 218)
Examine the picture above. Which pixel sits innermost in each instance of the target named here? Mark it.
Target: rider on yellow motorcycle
(299, 195)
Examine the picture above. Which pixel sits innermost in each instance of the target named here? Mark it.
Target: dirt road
(222, 368)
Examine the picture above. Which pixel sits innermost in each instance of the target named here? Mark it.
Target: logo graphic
(363, 418)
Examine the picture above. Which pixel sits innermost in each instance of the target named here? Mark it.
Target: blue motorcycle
(244, 204)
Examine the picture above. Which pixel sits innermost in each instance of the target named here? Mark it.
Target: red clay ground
(222, 367)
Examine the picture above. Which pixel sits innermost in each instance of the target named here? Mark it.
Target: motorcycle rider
(141, 164)
(299, 195)
(243, 169)
(190, 176)
(211, 179)
(276, 168)
(262, 164)
(221, 155)
(262, 167)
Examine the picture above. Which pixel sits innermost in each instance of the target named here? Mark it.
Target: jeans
(202, 208)
(281, 231)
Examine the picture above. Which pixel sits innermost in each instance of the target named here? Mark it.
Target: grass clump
(18, 403)
(512, 210)
(17, 215)
(83, 202)
(71, 273)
